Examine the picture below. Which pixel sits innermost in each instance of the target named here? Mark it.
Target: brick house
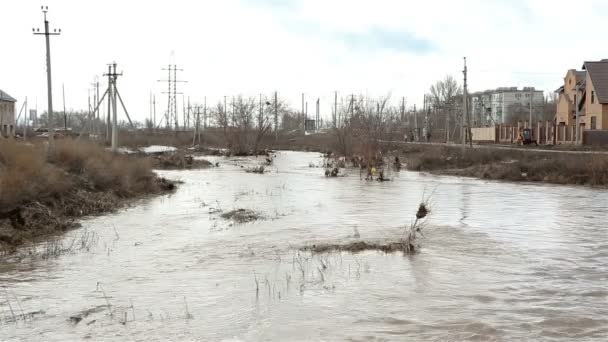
(7, 115)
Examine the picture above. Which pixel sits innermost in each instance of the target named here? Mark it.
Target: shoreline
(45, 193)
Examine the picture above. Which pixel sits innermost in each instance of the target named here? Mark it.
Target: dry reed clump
(42, 193)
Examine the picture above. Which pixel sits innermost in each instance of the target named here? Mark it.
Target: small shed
(7, 115)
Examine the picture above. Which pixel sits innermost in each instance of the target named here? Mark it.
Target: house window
(527, 95)
(518, 96)
(594, 122)
(592, 96)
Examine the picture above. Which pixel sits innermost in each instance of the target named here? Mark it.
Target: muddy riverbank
(43, 194)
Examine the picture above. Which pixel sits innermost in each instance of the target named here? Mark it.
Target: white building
(505, 105)
(7, 115)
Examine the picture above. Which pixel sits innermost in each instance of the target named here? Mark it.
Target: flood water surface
(499, 262)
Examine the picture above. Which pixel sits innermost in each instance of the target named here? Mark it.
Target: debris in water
(241, 215)
(256, 169)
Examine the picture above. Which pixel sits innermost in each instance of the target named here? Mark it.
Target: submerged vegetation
(407, 244)
(43, 192)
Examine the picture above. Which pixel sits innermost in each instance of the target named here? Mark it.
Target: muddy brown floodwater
(499, 261)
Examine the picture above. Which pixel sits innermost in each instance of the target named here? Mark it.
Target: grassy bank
(44, 193)
(508, 165)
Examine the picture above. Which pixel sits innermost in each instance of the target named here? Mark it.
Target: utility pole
(196, 127)
(335, 116)
(96, 100)
(26, 120)
(204, 114)
(531, 99)
(352, 105)
(276, 118)
(115, 116)
(184, 111)
(154, 111)
(464, 105)
(318, 115)
(47, 35)
(110, 98)
(225, 114)
(65, 115)
(417, 134)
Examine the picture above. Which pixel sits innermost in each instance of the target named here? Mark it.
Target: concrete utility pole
(110, 98)
(416, 135)
(184, 111)
(47, 35)
(276, 117)
(26, 120)
(531, 99)
(115, 116)
(464, 105)
(335, 116)
(65, 115)
(204, 115)
(154, 111)
(196, 127)
(225, 113)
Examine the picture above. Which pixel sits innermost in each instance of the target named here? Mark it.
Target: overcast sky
(230, 47)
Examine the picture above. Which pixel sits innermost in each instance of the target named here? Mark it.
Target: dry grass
(509, 165)
(42, 193)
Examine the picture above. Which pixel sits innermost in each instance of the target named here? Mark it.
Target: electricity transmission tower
(47, 35)
(171, 114)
